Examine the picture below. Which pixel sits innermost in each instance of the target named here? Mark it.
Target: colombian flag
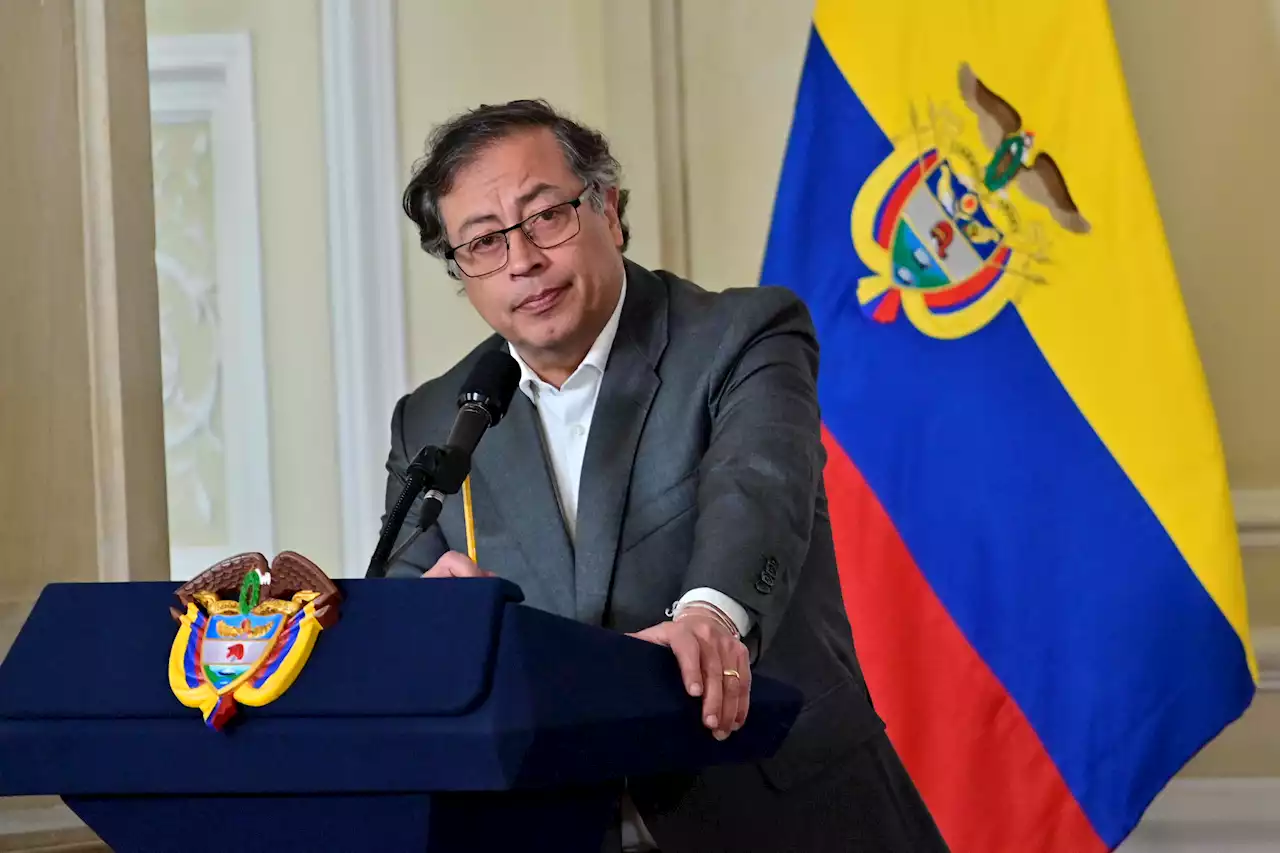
(1027, 486)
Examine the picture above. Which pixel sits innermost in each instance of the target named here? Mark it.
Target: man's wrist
(702, 609)
(733, 614)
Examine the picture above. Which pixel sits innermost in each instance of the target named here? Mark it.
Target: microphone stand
(437, 471)
(395, 555)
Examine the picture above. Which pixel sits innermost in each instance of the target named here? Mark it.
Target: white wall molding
(209, 78)
(1258, 517)
(120, 294)
(1211, 815)
(1258, 523)
(669, 131)
(97, 191)
(1266, 644)
(366, 276)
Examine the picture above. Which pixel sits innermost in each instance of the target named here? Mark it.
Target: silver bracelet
(719, 615)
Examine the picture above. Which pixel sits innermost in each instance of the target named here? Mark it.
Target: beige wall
(741, 73)
(292, 179)
(1203, 86)
(1203, 89)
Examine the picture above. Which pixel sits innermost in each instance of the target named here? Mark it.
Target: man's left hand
(708, 653)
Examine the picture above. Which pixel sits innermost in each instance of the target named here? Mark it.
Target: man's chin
(548, 331)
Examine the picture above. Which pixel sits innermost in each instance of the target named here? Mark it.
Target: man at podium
(659, 473)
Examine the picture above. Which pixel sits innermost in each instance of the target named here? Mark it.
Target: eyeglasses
(546, 229)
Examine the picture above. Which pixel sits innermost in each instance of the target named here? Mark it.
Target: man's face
(550, 303)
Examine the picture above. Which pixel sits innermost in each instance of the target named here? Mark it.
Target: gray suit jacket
(703, 468)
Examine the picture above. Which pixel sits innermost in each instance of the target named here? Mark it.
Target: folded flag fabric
(1027, 486)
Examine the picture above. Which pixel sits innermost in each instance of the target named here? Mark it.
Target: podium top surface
(100, 651)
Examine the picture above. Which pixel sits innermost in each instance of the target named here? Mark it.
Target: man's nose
(523, 257)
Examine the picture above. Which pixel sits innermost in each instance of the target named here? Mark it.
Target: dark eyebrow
(538, 190)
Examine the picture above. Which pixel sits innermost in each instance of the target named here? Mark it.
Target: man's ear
(611, 215)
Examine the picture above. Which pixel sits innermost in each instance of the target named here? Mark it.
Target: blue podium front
(442, 716)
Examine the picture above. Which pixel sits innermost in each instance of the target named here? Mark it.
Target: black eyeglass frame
(573, 203)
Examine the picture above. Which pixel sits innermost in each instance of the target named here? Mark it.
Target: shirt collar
(596, 358)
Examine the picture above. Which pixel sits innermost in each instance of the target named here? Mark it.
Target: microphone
(483, 401)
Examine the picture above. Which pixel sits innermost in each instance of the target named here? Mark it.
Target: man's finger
(688, 656)
(454, 565)
(713, 675)
(744, 695)
(732, 702)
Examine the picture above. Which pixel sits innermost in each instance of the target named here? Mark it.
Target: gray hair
(456, 143)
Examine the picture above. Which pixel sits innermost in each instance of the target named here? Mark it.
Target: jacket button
(763, 588)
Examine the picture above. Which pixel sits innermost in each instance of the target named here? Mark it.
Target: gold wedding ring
(732, 672)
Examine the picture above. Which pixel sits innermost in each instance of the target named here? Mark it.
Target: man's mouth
(542, 300)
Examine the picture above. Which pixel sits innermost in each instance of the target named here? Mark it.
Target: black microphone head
(491, 384)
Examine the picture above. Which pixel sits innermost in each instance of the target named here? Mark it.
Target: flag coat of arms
(1027, 486)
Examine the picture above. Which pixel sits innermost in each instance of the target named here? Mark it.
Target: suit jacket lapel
(630, 383)
(517, 474)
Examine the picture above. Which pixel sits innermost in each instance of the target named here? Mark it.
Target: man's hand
(706, 651)
(454, 565)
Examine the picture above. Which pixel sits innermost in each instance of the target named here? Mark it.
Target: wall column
(82, 471)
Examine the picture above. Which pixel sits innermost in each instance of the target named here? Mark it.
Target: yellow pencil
(470, 519)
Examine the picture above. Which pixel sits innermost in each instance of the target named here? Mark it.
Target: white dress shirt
(565, 416)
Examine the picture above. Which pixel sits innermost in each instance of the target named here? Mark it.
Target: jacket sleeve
(430, 544)
(760, 476)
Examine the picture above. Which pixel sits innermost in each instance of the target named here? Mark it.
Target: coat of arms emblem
(938, 228)
(247, 631)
